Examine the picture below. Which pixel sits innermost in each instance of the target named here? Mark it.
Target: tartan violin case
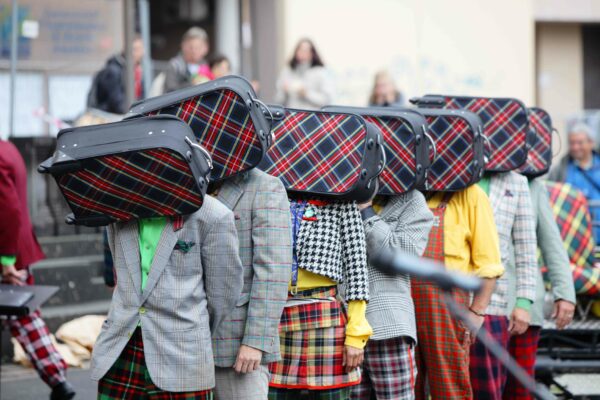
(226, 118)
(459, 156)
(139, 168)
(539, 158)
(325, 154)
(405, 143)
(505, 126)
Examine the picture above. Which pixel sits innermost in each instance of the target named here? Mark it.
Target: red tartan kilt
(312, 340)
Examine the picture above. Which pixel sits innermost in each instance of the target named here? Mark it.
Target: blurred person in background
(189, 67)
(108, 92)
(304, 83)
(581, 169)
(19, 249)
(385, 93)
(219, 66)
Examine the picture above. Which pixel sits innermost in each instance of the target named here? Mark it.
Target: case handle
(430, 140)
(428, 101)
(560, 142)
(202, 150)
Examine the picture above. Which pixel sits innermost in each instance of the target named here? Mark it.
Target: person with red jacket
(18, 250)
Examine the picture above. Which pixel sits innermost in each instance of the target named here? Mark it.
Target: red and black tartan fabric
(488, 375)
(389, 370)
(312, 337)
(505, 124)
(317, 152)
(442, 352)
(523, 349)
(34, 337)
(572, 215)
(222, 124)
(453, 169)
(132, 185)
(128, 378)
(399, 174)
(539, 156)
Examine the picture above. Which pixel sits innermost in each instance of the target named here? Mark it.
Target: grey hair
(195, 32)
(582, 127)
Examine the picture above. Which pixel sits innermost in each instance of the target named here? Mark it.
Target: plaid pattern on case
(399, 174)
(505, 124)
(570, 210)
(539, 156)
(453, 169)
(132, 185)
(222, 124)
(317, 152)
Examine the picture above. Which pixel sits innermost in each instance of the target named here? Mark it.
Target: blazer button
(142, 310)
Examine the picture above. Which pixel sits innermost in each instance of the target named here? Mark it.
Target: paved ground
(18, 383)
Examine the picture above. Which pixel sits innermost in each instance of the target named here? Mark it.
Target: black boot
(62, 391)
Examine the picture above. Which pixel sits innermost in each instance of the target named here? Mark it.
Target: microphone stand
(537, 390)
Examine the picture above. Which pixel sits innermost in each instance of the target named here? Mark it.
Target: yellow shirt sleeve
(358, 329)
(486, 261)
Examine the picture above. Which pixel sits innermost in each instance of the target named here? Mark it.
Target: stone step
(72, 245)
(79, 279)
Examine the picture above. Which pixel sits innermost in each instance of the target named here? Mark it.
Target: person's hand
(248, 359)
(563, 313)
(353, 357)
(13, 276)
(519, 321)
(362, 206)
(476, 321)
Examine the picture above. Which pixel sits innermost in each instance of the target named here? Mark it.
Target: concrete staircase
(75, 264)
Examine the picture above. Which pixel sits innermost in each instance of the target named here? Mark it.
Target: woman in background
(385, 93)
(304, 83)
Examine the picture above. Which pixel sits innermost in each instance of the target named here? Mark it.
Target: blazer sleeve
(354, 252)
(10, 215)
(223, 272)
(272, 265)
(408, 227)
(551, 244)
(525, 243)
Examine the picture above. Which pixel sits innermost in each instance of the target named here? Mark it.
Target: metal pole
(129, 15)
(144, 10)
(13, 66)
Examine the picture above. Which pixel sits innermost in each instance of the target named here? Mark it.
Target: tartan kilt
(129, 378)
(312, 338)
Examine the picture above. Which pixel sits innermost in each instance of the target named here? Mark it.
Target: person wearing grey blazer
(524, 347)
(403, 223)
(157, 336)
(248, 339)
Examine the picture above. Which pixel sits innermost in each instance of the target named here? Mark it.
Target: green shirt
(484, 184)
(8, 260)
(150, 230)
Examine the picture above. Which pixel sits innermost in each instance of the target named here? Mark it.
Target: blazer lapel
(497, 189)
(230, 193)
(167, 242)
(129, 238)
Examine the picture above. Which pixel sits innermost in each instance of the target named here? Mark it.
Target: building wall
(463, 46)
(560, 74)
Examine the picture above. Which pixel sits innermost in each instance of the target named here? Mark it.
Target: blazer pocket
(244, 299)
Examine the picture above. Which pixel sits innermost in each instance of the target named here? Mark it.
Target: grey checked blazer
(262, 217)
(187, 295)
(553, 252)
(404, 224)
(513, 213)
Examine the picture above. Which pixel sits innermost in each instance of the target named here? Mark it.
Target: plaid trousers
(488, 375)
(33, 335)
(389, 370)
(128, 378)
(299, 394)
(523, 348)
